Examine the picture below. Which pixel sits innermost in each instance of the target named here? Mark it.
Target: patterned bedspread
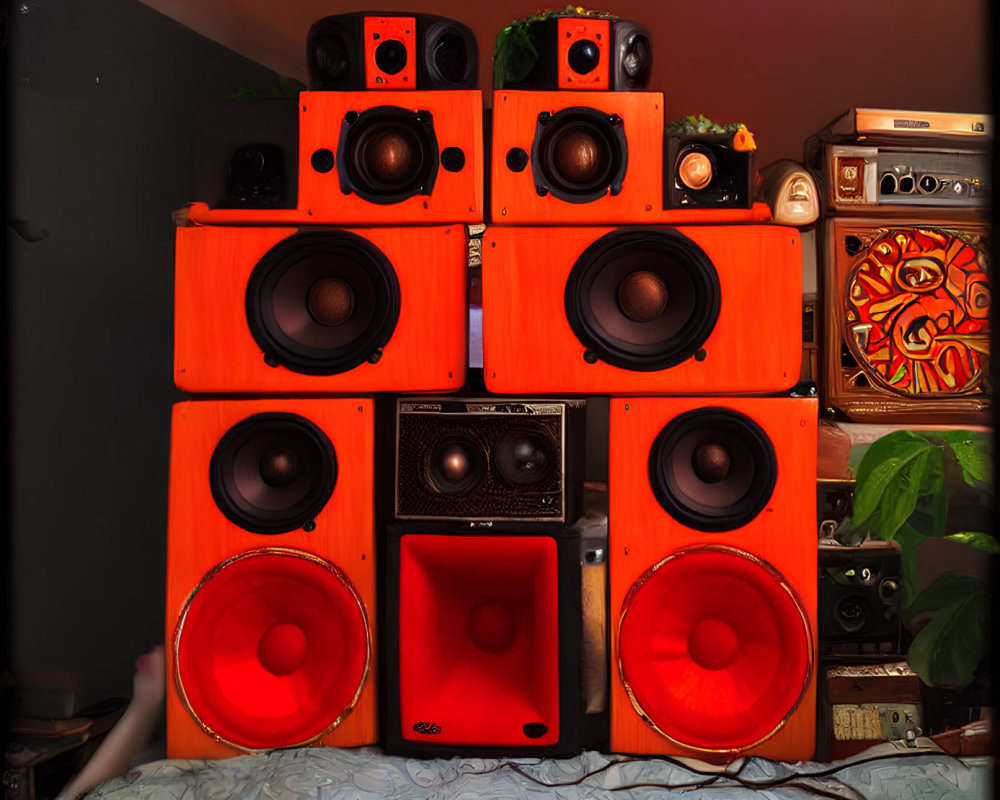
(893, 773)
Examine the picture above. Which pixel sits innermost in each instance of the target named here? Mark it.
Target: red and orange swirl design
(918, 312)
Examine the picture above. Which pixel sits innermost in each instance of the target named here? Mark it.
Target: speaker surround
(284, 302)
(272, 473)
(387, 154)
(607, 311)
(715, 649)
(272, 649)
(712, 469)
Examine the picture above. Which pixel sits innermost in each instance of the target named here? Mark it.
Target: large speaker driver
(272, 649)
(387, 154)
(579, 154)
(273, 473)
(643, 298)
(712, 469)
(323, 302)
(714, 649)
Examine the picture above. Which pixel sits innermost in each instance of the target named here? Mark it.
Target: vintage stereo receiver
(881, 159)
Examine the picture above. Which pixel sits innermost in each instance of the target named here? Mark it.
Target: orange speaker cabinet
(320, 310)
(907, 320)
(586, 158)
(270, 609)
(382, 158)
(642, 310)
(713, 559)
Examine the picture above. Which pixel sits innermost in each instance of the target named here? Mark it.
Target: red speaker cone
(272, 649)
(714, 649)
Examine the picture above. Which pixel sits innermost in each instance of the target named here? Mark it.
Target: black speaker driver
(456, 464)
(451, 56)
(579, 154)
(335, 53)
(636, 59)
(387, 154)
(525, 457)
(323, 302)
(643, 299)
(712, 469)
(273, 473)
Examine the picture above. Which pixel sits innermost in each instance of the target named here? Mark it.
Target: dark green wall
(102, 98)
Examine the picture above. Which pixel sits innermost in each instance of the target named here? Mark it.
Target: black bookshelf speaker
(489, 460)
(600, 53)
(359, 51)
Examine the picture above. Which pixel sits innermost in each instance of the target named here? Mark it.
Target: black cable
(714, 777)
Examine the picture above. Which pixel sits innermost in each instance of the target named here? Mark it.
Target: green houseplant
(912, 486)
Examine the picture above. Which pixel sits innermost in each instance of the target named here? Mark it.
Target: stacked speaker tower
(364, 549)
(629, 259)
(329, 265)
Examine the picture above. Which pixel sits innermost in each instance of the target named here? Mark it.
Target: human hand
(149, 682)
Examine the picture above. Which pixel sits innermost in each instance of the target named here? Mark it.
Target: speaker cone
(322, 303)
(636, 57)
(715, 649)
(387, 154)
(272, 649)
(712, 469)
(455, 465)
(272, 473)
(450, 56)
(643, 298)
(479, 639)
(579, 154)
(524, 458)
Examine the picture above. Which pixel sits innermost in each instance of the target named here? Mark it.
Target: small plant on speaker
(911, 487)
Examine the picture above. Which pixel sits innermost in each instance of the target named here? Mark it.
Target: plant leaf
(981, 541)
(892, 476)
(908, 538)
(943, 591)
(973, 452)
(948, 649)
